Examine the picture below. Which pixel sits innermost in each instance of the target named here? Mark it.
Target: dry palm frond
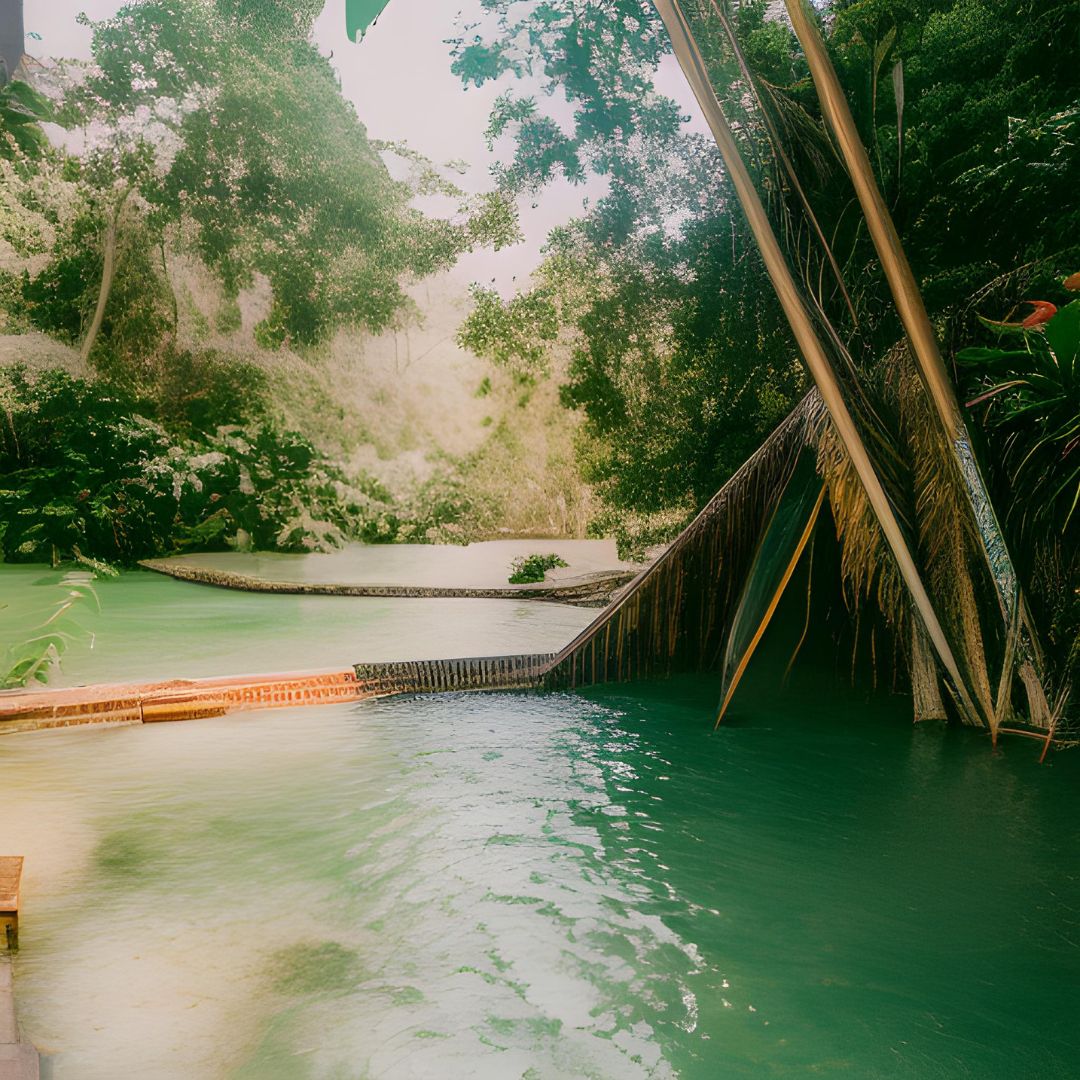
(867, 567)
(788, 168)
(810, 346)
(676, 614)
(973, 507)
(926, 489)
(949, 543)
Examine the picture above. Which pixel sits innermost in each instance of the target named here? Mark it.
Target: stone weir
(587, 590)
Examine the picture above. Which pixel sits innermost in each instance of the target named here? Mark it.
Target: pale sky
(400, 82)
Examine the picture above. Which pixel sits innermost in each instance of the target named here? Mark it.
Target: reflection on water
(337, 892)
(544, 886)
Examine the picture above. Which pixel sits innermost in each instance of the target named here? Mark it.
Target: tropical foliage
(1026, 397)
(1031, 403)
(86, 468)
(969, 120)
(653, 300)
(82, 467)
(36, 657)
(216, 135)
(222, 137)
(679, 360)
(22, 109)
(255, 150)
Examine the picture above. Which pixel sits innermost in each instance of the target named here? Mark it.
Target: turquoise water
(515, 885)
(152, 627)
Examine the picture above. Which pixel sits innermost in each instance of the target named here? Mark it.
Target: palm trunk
(817, 360)
(920, 333)
(108, 272)
(12, 37)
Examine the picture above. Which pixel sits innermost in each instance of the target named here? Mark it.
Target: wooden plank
(10, 875)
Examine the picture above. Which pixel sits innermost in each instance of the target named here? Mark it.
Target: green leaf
(360, 14)
(1063, 336)
(982, 355)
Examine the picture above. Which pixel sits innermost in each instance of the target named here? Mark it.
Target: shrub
(196, 391)
(530, 568)
(82, 467)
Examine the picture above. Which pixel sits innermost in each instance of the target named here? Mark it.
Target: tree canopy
(680, 359)
(269, 164)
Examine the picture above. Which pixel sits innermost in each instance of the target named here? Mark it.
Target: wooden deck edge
(118, 704)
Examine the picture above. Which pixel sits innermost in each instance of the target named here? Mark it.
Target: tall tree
(970, 110)
(679, 358)
(257, 152)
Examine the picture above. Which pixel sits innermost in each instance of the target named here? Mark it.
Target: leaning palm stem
(108, 271)
(909, 304)
(817, 360)
(785, 161)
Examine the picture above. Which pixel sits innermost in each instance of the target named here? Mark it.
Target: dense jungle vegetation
(680, 358)
(216, 130)
(222, 133)
(678, 355)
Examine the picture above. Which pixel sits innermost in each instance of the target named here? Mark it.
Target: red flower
(1072, 282)
(1043, 313)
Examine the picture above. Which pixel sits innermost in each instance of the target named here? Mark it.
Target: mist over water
(546, 886)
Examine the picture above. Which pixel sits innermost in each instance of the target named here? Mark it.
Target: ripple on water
(543, 886)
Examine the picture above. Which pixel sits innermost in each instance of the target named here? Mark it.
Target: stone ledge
(178, 699)
(587, 590)
(18, 1059)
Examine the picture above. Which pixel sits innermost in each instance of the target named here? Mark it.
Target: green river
(525, 885)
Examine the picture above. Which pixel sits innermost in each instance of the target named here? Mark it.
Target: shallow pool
(547, 886)
(153, 627)
(486, 564)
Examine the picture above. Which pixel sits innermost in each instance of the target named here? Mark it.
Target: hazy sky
(399, 79)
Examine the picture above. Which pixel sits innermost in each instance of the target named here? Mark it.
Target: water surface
(153, 627)
(487, 564)
(516, 885)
